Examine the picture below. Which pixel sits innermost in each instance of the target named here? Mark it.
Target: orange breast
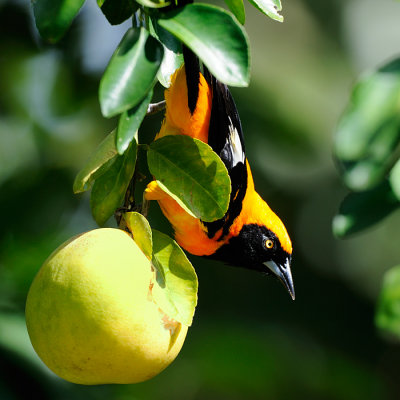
(178, 119)
(189, 231)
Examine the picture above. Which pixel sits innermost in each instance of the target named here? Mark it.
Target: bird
(250, 234)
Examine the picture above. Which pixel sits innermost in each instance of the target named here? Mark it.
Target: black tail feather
(192, 68)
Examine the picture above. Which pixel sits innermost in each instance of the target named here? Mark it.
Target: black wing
(225, 136)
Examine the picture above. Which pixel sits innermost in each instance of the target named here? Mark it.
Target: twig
(154, 108)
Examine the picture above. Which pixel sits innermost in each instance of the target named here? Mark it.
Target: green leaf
(374, 99)
(394, 179)
(193, 172)
(359, 211)
(129, 123)
(373, 167)
(117, 11)
(176, 286)
(270, 8)
(53, 17)
(173, 57)
(237, 8)
(102, 159)
(387, 316)
(141, 232)
(131, 72)
(369, 130)
(109, 189)
(176, 198)
(216, 37)
(154, 3)
(171, 62)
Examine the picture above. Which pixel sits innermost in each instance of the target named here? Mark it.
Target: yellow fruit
(90, 313)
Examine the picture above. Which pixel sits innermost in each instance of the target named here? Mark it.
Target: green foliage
(367, 137)
(134, 65)
(217, 39)
(117, 11)
(388, 307)
(366, 144)
(197, 179)
(129, 123)
(394, 179)
(109, 189)
(369, 130)
(359, 211)
(154, 4)
(173, 57)
(237, 8)
(141, 232)
(269, 7)
(53, 17)
(176, 288)
(98, 163)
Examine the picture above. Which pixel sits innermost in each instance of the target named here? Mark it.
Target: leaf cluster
(366, 147)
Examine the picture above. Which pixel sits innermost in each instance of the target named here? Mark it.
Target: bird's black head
(258, 248)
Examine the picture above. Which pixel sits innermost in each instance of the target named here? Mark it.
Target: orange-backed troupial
(250, 234)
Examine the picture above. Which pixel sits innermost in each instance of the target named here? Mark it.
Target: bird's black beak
(283, 273)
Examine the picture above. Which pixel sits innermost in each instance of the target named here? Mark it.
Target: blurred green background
(248, 339)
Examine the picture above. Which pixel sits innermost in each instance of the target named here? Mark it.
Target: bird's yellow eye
(269, 244)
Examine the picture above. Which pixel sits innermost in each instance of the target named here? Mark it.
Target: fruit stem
(129, 201)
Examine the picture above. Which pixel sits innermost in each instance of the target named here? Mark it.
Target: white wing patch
(235, 144)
